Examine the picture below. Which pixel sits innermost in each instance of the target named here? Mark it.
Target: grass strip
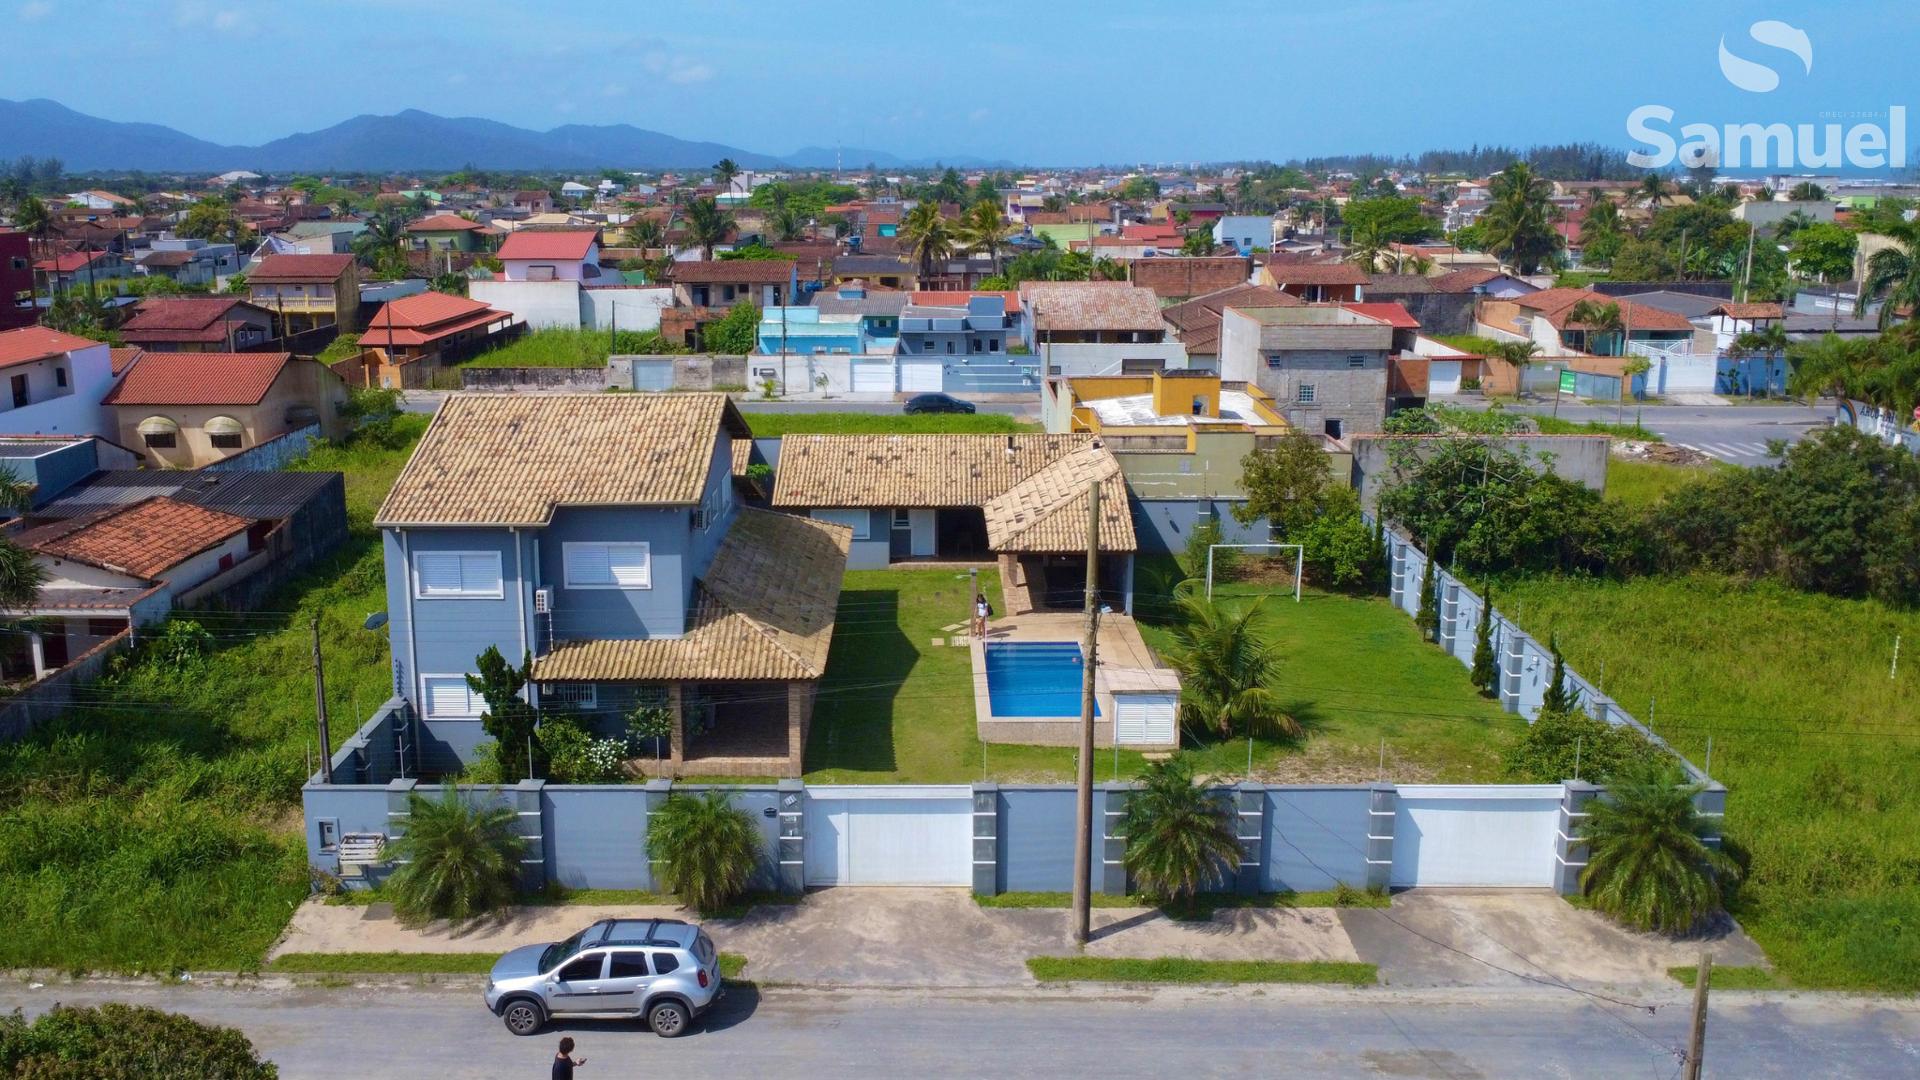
(1732, 978)
(398, 963)
(1173, 969)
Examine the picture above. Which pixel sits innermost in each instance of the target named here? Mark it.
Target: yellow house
(185, 410)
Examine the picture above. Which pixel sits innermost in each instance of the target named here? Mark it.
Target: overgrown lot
(1815, 736)
(563, 348)
(157, 826)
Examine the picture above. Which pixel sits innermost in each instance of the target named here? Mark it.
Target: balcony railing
(295, 304)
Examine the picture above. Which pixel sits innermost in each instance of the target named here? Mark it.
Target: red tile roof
(425, 318)
(121, 359)
(1184, 277)
(68, 262)
(199, 379)
(1556, 304)
(1734, 310)
(444, 223)
(37, 343)
(1316, 274)
(566, 245)
(300, 269)
(143, 540)
(1461, 281)
(958, 298)
(180, 312)
(1392, 314)
(751, 271)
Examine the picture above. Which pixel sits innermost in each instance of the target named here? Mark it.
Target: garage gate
(922, 376)
(1491, 836)
(872, 378)
(891, 835)
(1443, 377)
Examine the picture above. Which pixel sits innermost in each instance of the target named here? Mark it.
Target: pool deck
(1125, 663)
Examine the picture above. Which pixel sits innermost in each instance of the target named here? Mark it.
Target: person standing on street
(564, 1062)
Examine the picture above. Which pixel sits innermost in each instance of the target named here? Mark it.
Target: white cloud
(563, 107)
(35, 9)
(193, 14)
(680, 70)
(979, 115)
(613, 90)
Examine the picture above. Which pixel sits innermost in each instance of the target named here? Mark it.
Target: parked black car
(937, 403)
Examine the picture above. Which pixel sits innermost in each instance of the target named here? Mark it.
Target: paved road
(1737, 434)
(1291, 1031)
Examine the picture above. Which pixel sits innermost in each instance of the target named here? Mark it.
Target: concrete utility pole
(320, 707)
(1697, 1042)
(1082, 838)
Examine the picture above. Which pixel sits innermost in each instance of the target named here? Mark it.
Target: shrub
(1200, 539)
(458, 861)
(575, 756)
(1226, 669)
(1339, 547)
(736, 333)
(132, 1041)
(1428, 618)
(1180, 839)
(1647, 864)
(708, 848)
(1564, 745)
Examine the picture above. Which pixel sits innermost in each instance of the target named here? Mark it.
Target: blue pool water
(1034, 678)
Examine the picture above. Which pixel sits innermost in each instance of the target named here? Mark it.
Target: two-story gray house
(600, 535)
(1324, 364)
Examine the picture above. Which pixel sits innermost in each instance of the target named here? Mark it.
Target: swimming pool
(1034, 678)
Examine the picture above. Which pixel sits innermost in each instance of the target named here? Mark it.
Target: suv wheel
(668, 1019)
(523, 1017)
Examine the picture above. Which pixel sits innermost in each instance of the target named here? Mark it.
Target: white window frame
(559, 692)
(862, 531)
(474, 701)
(499, 591)
(566, 564)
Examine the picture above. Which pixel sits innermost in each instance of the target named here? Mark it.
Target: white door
(1475, 836)
(1443, 377)
(921, 376)
(873, 378)
(922, 525)
(1144, 718)
(889, 836)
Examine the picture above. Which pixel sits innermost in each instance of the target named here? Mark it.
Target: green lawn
(767, 425)
(1731, 978)
(1553, 425)
(1643, 483)
(157, 825)
(562, 348)
(1818, 746)
(894, 708)
(1171, 969)
(1200, 907)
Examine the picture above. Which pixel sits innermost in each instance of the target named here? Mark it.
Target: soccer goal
(1269, 565)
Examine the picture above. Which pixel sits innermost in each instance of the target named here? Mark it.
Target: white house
(1244, 232)
(573, 189)
(558, 255)
(54, 384)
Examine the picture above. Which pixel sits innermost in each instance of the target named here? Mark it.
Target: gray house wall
(1163, 525)
(1357, 397)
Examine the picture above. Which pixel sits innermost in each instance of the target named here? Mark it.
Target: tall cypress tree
(1558, 698)
(1483, 675)
(1429, 617)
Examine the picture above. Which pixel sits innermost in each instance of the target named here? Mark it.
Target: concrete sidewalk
(865, 937)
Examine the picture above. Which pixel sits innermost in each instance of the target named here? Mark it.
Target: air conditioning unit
(543, 601)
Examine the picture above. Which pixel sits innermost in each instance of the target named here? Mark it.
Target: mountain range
(403, 141)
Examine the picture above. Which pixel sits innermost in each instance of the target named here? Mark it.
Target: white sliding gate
(889, 835)
(1486, 836)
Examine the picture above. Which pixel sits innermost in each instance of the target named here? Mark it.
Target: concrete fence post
(1569, 853)
(1711, 804)
(986, 839)
(1382, 806)
(1449, 612)
(1513, 665)
(531, 818)
(655, 793)
(792, 799)
(1396, 566)
(1111, 875)
(1250, 818)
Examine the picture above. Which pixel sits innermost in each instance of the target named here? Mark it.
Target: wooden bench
(361, 850)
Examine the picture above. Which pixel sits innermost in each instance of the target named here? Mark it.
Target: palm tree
(1653, 190)
(20, 575)
(725, 171)
(707, 224)
(1518, 224)
(1893, 277)
(456, 861)
(983, 228)
(786, 223)
(1600, 228)
(708, 849)
(1179, 837)
(1832, 366)
(927, 236)
(1226, 669)
(644, 233)
(1601, 322)
(1519, 354)
(1648, 863)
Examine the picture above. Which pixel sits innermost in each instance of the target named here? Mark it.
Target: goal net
(1264, 567)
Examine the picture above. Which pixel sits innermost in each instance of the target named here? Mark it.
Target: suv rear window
(703, 949)
(664, 962)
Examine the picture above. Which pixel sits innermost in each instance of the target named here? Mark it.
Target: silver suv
(665, 970)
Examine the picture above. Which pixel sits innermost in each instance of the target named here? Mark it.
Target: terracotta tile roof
(1393, 314)
(958, 297)
(143, 540)
(1184, 277)
(1734, 310)
(426, 317)
(1460, 281)
(1556, 304)
(121, 359)
(511, 459)
(199, 378)
(1316, 274)
(764, 610)
(563, 244)
(751, 271)
(69, 261)
(300, 269)
(182, 312)
(1091, 305)
(1047, 512)
(167, 258)
(829, 471)
(37, 343)
(444, 223)
(1197, 321)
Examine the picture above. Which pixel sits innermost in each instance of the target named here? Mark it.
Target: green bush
(1564, 745)
(576, 756)
(128, 1042)
(1340, 549)
(1200, 540)
(457, 861)
(708, 848)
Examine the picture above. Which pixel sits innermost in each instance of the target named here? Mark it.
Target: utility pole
(1082, 836)
(1697, 1042)
(320, 707)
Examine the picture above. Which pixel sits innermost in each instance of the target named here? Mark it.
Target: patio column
(677, 742)
(39, 647)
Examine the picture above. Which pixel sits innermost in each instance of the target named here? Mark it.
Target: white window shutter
(439, 571)
(480, 574)
(450, 696)
(587, 564)
(630, 566)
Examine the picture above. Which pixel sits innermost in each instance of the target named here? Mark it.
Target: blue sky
(1115, 81)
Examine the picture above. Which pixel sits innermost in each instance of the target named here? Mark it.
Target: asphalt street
(1116, 1033)
(1736, 434)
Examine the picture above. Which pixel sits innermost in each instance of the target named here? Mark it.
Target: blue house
(599, 535)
